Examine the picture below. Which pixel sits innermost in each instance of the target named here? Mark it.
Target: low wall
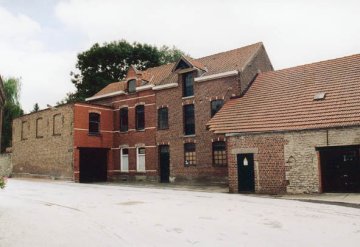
(5, 165)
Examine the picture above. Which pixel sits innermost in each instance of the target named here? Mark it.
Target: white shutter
(124, 160)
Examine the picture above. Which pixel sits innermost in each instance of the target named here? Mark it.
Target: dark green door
(164, 158)
(246, 180)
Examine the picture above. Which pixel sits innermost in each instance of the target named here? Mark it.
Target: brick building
(296, 130)
(160, 115)
(64, 142)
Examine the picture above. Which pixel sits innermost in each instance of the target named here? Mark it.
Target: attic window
(182, 65)
(132, 86)
(320, 96)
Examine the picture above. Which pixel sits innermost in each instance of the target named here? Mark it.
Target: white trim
(165, 86)
(143, 88)
(94, 107)
(216, 76)
(105, 95)
(134, 98)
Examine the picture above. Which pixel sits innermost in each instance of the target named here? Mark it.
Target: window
(189, 154)
(216, 106)
(188, 84)
(124, 124)
(39, 127)
(163, 118)
(124, 154)
(57, 124)
(132, 86)
(94, 123)
(24, 130)
(219, 153)
(140, 117)
(140, 159)
(189, 120)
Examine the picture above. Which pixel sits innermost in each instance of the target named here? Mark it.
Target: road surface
(52, 213)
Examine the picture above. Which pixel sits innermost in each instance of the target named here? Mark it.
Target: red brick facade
(268, 159)
(82, 139)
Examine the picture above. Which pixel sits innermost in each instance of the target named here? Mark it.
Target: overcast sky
(39, 39)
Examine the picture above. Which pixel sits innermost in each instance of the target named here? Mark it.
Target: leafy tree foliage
(36, 108)
(12, 109)
(103, 64)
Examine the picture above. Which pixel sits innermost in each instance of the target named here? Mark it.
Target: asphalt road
(51, 213)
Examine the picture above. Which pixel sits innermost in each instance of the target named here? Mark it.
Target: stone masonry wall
(43, 143)
(302, 162)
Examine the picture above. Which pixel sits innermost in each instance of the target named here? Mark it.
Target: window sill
(188, 97)
(141, 130)
(123, 131)
(187, 136)
(94, 134)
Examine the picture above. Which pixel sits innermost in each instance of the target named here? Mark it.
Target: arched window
(163, 122)
(124, 123)
(132, 86)
(140, 117)
(94, 123)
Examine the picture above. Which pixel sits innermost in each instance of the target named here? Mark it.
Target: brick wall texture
(43, 143)
(287, 162)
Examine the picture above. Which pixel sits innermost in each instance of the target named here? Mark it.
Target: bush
(2, 182)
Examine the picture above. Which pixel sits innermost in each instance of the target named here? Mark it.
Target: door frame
(160, 165)
(253, 183)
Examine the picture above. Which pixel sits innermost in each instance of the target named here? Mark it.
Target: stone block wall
(43, 143)
(5, 165)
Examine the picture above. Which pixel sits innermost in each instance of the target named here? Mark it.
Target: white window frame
(138, 168)
(122, 156)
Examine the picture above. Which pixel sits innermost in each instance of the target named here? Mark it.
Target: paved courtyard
(52, 213)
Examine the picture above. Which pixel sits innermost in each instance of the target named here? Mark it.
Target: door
(93, 165)
(340, 169)
(164, 159)
(246, 180)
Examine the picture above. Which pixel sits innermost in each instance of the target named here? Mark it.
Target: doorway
(164, 159)
(340, 169)
(93, 165)
(245, 165)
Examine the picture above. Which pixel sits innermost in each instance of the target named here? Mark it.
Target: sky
(40, 39)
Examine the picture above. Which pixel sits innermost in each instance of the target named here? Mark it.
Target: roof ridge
(239, 48)
(311, 64)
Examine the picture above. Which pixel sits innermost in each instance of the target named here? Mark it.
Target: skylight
(319, 96)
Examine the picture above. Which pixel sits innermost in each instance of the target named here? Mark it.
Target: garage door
(93, 165)
(340, 169)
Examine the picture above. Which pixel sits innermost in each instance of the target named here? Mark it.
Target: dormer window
(188, 84)
(132, 86)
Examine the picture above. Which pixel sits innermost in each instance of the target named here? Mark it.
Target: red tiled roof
(217, 63)
(111, 88)
(284, 100)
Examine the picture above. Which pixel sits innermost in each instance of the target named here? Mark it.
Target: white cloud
(294, 32)
(45, 75)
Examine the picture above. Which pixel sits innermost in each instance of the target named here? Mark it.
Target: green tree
(12, 109)
(103, 64)
(36, 108)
